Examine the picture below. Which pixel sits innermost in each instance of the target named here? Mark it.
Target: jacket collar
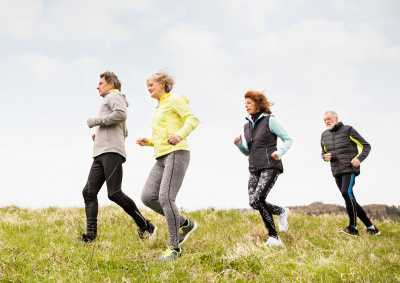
(116, 90)
(337, 127)
(249, 118)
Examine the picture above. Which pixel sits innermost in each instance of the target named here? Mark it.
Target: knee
(147, 200)
(254, 204)
(165, 199)
(115, 196)
(345, 194)
(86, 193)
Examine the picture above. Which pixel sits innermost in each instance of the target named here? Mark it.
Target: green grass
(43, 246)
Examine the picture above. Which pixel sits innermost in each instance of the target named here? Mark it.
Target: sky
(307, 56)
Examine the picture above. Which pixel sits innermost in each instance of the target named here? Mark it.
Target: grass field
(43, 245)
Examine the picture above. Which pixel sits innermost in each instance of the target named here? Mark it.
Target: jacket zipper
(154, 135)
(266, 150)
(334, 148)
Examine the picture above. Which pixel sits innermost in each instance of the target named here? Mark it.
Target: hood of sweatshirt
(117, 91)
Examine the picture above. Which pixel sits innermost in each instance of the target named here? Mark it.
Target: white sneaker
(283, 222)
(274, 242)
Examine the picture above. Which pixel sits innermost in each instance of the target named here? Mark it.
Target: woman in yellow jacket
(173, 121)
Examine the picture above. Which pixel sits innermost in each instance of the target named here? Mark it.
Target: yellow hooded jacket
(173, 116)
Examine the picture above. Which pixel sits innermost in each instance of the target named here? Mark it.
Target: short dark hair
(261, 101)
(110, 77)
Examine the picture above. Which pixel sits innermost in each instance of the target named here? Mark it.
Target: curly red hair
(261, 101)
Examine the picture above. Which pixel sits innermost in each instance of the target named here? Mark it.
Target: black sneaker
(374, 231)
(186, 230)
(350, 230)
(87, 238)
(147, 233)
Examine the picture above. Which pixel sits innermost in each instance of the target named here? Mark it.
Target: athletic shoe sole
(154, 232)
(348, 234)
(190, 232)
(376, 234)
(286, 227)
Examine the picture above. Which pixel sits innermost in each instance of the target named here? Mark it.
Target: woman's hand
(274, 156)
(142, 141)
(93, 137)
(174, 139)
(237, 139)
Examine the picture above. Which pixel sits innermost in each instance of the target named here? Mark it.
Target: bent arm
(278, 130)
(323, 150)
(362, 143)
(183, 110)
(243, 147)
(118, 107)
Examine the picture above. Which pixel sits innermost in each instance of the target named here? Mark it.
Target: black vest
(262, 143)
(337, 141)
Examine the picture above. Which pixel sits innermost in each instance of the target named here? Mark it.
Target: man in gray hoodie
(108, 156)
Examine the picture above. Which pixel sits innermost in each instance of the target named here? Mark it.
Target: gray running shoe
(149, 232)
(185, 231)
(170, 254)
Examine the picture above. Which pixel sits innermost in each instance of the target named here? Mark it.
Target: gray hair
(110, 77)
(162, 77)
(333, 114)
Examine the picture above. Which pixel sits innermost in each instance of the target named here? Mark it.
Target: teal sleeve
(278, 130)
(243, 147)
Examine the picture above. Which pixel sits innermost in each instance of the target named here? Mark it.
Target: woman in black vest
(259, 142)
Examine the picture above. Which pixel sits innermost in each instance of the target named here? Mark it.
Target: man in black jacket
(339, 147)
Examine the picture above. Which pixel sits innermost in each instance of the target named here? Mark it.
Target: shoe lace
(168, 252)
(181, 230)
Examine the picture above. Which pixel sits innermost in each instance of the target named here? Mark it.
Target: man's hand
(174, 139)
(274, 156)
(328, 156)
(142, 141)
(93, 136)
(237, 139)
(355, 162)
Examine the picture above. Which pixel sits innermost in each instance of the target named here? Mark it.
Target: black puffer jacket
(342, 142)
(262, 143)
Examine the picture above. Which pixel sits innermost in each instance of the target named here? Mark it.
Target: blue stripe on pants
(351, 186)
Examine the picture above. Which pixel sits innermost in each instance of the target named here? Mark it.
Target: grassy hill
(375, 211)
(43, 246)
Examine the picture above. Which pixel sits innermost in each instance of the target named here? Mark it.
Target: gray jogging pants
(162, 186)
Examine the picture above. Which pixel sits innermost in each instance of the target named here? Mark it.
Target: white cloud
(194, 44)
(319, 56)
(49, 71)
(251, 15)
(43, 68)
(70, 20)
(20, 19)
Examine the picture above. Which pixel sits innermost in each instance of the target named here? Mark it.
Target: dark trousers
(345, 184)
(260, 184)
(107, 168)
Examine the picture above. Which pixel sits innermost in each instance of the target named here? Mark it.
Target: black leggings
(107, 168)
(260, 184)
(346, 183)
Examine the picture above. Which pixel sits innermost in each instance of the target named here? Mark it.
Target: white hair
(333, 114)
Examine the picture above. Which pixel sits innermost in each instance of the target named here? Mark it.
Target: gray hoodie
(111, 133)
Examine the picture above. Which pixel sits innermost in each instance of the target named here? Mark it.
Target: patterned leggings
(260, 184)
